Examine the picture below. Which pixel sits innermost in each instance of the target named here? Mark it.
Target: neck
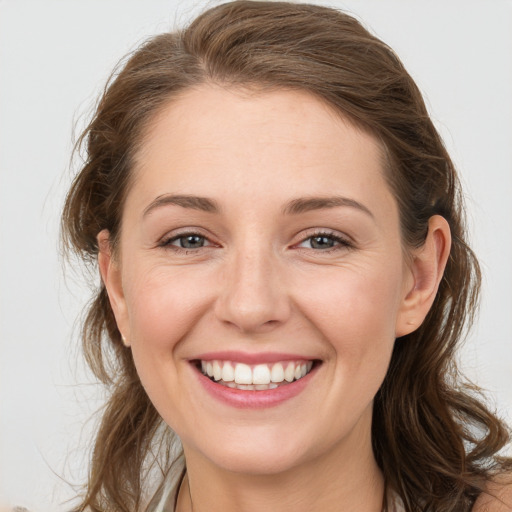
(347, 475)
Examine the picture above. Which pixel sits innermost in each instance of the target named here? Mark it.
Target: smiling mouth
(258, 377)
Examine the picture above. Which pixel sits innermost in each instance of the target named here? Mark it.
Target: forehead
(212, 139)
(211, 112)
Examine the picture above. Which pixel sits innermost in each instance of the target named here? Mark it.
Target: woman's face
(260, 240)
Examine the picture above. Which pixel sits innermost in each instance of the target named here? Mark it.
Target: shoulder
(497, 496)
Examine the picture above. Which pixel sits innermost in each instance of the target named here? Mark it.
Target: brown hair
(433, 437)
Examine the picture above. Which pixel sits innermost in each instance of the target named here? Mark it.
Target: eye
(324, 242)
(187, 241)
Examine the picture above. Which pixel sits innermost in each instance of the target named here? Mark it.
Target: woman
(280, 236)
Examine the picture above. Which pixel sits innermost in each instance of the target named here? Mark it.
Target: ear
(111, 276)
(426, 271)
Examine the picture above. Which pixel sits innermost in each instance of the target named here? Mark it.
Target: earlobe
(111, 277)
(426, 269)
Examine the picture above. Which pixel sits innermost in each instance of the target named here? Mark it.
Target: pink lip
(254, 399)
(247, 358)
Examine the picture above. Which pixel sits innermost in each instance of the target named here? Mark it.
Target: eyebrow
(185, 201)
(294, 207)
(307, 204)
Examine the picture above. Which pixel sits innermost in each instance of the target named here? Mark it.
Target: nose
(253, 295)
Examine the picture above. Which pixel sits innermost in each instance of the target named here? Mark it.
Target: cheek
(164, 308)
(347, 302)
(355, 313)
(164, 305)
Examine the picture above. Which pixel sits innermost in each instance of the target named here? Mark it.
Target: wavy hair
(435, 441)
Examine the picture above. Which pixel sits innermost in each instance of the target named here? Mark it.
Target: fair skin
(498, 497)
(267, 276)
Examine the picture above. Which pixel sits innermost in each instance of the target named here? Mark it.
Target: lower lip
(243, 399)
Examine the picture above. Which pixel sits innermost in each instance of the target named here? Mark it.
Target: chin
(255, 461)
(260, 452)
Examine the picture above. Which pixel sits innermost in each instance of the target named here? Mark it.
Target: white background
(54, 58)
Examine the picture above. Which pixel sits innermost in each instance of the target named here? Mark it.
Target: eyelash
(167, 243)
(339, 242)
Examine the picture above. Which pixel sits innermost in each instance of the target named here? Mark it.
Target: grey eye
(190, 241)
(325, 241)
(322, 242)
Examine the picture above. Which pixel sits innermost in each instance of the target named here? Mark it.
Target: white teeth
(217, 370)
(246, 387)
(258, 377)
(250, 387)
(243, 374)
(228, 372)
(261, 374)
(277, 373)
(289, 373)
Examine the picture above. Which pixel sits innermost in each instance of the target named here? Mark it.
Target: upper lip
(251, 358)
